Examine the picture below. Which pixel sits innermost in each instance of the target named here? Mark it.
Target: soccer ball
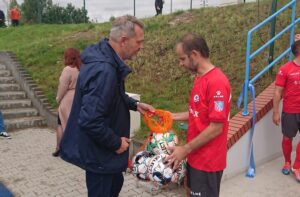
(159, 172)
(140, 164)
(179, 173)
(161, 142)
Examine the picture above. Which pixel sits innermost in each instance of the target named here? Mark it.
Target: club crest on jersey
(219, 106)
(196, 98)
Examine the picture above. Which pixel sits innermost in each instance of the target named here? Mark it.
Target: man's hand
(143, 108)
(276, 118)
(124, 145)
(179, 153)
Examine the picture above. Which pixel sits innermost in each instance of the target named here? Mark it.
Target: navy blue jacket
(100, 113)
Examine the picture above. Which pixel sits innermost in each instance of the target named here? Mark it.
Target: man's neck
(116, 48)
(204, 67)
(297, 61)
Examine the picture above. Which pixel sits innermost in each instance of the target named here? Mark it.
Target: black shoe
(56, 153)
(4, 134)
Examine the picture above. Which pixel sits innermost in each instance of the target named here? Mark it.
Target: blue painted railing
(250, 56)
(248, 83)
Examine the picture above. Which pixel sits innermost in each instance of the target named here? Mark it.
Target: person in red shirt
(208, 116)
(15, 16)
(287, 86)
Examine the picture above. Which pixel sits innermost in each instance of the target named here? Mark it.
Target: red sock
(287, 148)
(297, 160)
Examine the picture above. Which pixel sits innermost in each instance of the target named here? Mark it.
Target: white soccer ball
(161, 142)
(159, 172)
(140, 164)
(179, 173)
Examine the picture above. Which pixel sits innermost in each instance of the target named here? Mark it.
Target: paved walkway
(269, 182)
(28, 170)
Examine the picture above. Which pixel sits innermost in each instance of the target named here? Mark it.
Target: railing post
(133, 7)
(171, 6)
(191, 4)
(272, 33)
(293, 28)
(246, 82)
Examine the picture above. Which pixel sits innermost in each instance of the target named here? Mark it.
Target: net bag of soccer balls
(149, 164)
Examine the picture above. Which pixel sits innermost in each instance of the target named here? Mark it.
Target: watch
(136, 103)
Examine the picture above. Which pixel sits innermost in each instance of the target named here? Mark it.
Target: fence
(249, 83)
(291, 27)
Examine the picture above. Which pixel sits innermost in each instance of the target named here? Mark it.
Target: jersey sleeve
(219, 101)
(281, 77)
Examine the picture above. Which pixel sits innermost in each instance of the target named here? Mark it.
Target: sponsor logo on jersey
(196, 98)
(218, 94)
(219, 106)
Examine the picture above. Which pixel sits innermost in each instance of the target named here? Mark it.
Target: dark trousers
(2, 23)
(104, 185)
(158, 12)
(15, 23)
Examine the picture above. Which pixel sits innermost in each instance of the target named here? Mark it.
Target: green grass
(156, 75)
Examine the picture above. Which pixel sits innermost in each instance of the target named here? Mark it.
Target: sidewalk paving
(28, 169)
(269, 182)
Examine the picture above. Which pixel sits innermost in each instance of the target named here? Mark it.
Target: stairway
(16, 108)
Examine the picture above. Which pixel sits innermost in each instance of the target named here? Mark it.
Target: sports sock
(297, 160)
(287, 148)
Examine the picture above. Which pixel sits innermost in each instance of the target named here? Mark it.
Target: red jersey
(210, 101)
(288, 77)
(15, 14)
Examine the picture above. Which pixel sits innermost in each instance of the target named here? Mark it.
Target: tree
(60, 15)
(43, 11)
(13, 3)
(32, 10)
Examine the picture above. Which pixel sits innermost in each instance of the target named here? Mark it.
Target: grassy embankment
(156, 73)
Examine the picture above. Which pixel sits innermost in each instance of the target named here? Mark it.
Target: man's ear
(194, 53)
(123, 40)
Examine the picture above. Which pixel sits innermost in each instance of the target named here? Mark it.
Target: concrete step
(2, 67)
(7, 80)
(9, 87)
(19, 112)
(5, 73)
(12, 95)
(9, 104)
(22, 123)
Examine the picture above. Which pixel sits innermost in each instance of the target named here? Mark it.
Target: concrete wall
(135, 117)
(267, 146)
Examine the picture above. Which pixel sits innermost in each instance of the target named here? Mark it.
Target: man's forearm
(183, 116)
(276, 101)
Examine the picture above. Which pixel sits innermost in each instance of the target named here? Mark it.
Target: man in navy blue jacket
(97, 134)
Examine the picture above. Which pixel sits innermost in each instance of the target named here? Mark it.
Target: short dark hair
(296, 48)
(192, 41)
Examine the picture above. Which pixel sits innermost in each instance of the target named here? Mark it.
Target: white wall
(267, 146)
(135, 117)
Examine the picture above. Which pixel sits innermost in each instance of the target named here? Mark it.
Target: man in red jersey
(287, 86)
(208, 116)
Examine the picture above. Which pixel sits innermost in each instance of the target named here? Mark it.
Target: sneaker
(5, 135)
(286, 168)
(296, 172)
(56, 153)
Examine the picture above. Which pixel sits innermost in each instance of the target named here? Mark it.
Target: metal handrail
(249, 55)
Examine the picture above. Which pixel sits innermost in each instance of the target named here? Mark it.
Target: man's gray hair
(124, 24)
